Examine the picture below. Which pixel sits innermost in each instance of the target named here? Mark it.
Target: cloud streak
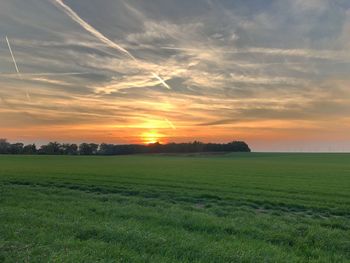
(162, 81)
(13, 57)
(170, 124)
(16, 66)
(46, 74)
(75, 17)
(237, 70)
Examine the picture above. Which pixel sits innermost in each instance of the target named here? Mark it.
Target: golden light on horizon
(151, 137)
(238, 89)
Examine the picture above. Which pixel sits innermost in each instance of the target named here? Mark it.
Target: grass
(229, 208)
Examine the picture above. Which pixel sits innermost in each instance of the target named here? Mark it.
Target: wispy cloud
(237, 69)
(170, 124)
(13, 57)
(46, 74)
(16, 66)
(306, 53)
(73, 15)
(161, 80)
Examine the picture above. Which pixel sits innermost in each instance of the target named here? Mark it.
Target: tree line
(55, 148)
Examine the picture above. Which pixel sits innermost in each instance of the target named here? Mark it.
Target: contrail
(57, 74)
(75, 17)
(28, 96)
(179, 48)
(170, 124)
(16, 66)
(36, 74)
(48, 74)
(200, 49)
(13, 57)
(161, 80)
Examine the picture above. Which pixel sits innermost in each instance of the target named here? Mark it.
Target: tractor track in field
(201, 200)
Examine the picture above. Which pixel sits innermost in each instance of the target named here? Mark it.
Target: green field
(229, 208)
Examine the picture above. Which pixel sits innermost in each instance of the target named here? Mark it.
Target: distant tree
(237, 146)
(52, 148)
(15, 148)
(30, 149)
(108, 149)
(154, 147)
(112, 149)
(69, 149)
(4, 146)
(88, 148)
(198, 146)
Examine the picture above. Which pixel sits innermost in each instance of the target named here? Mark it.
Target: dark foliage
(55, 148)
(51, 148)
(69, 149)
(29, 149)
(15, 148)
(88, 148)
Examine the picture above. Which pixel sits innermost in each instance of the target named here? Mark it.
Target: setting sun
(151, 137)
(175, 131)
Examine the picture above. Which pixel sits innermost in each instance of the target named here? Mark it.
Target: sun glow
(151, 137)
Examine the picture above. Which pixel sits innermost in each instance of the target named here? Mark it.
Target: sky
(273, 73)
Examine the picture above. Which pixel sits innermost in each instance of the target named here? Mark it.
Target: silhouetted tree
(30, 149)
(52, 148)
(88, 148)
(111, 149)
(69, 149)
(15, 148)
(4, 146)
(108, 149)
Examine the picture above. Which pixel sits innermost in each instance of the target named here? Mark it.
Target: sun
(151, 137)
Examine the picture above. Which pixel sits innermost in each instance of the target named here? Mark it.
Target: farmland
(247, 207)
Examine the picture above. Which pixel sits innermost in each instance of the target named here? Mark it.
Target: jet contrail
(170, 124)
(35, 74)
(75, 17)
(16, 66)
(161, 80)
(57, 74)
(46, 74)
(13, 57)
(28, 96)
(181, 49)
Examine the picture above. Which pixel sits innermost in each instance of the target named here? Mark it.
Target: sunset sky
(275, 74)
